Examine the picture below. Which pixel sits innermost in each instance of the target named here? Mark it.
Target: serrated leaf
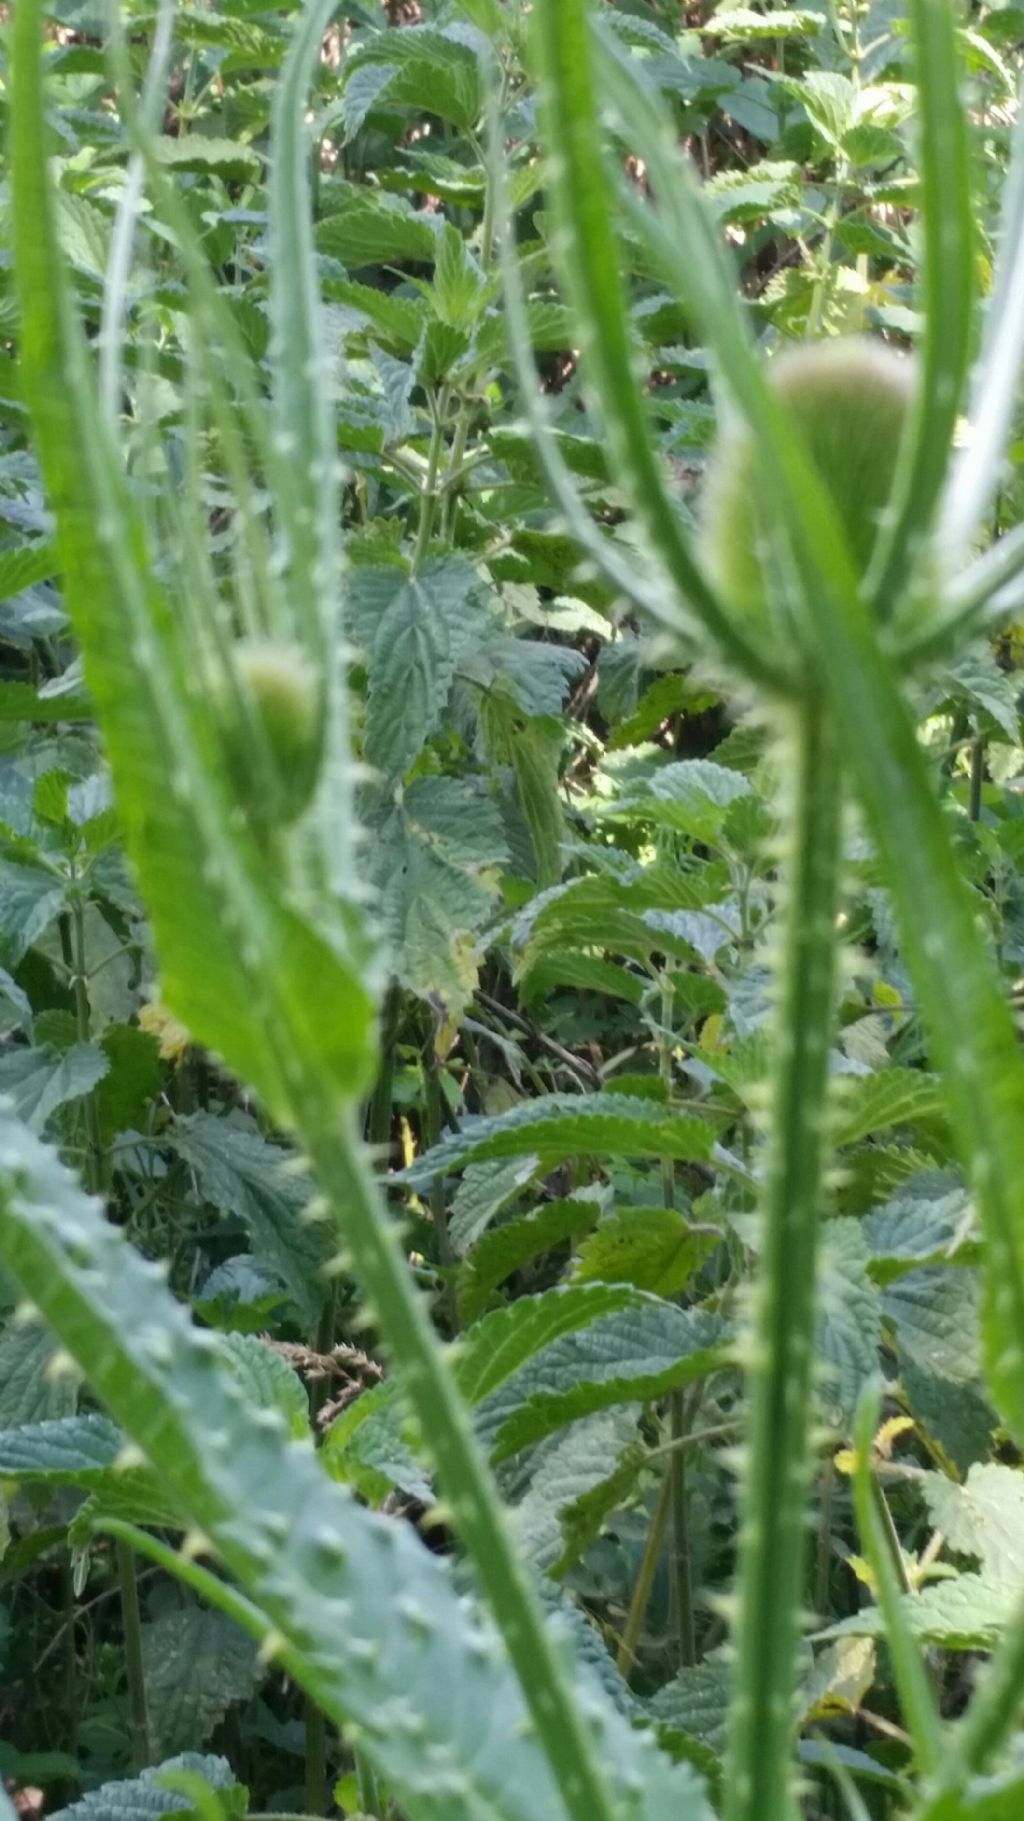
(485, 1189)
(628, 1355)
(584, 973)
(983, 1518)
(696, 1701)
(849, 1320)
(976, 675)
(884, 1101)
(23, 567)
(30, 900)
(145, 1798)
(498, 1345)
(366, 228)
(744, 25)
(927, 1221)
(968, 1613)
(612, 914)
(230, 159)
(569, 1466)
(653, 1249)
(38, 1081)
(244, 1175)
(196, 1664)
(750, 195)
(507, 1248)
(29, 1393)
(423, 69)
(75, 1450)
(934, 1315)
(269, 1381)
(691, 797)
(558, 1126)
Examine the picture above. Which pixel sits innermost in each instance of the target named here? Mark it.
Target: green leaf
(654, 1249)
(423, 69)
(230, 159)
(934, 1315)
(30, 900)
(269, 1381)
(928, 1221)
(584, 973)
(30, 1390)
(244, 1175)
(983, 1518)
(886, 1100)
(367, 228)
(849, 1320)
(145, 1798)
(23, 567)
(133, 1077)
(73, 1450)
(976, 675)
(498, 1345)
(968, 1613)
(21, 702)
(615, 914)
(484, 1190)
(557, 1126)
(626, 1356)
(691, 797)
(508, 1248)
(196, 1664)
(568, 1467)
(39, 1081)
(742, 24)
(367, 1619)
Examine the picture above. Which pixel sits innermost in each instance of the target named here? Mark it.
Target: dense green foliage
(525, 951)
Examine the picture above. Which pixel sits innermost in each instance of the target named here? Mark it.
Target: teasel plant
(223, 704)
(836, 558)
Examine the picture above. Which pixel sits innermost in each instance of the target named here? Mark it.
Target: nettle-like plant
(836, 559)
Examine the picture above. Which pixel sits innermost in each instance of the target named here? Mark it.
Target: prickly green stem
(758, 1765)
(586, 250)
(325, 1130)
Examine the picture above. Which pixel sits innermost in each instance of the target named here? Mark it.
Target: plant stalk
(645, 1579)
(138, 1717)
(758, 1774)
(324, 1123)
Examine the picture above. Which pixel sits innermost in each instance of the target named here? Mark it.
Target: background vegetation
(567, 835)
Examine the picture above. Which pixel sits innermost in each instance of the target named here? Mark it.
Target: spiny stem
(324, 1125)
(758, 1764)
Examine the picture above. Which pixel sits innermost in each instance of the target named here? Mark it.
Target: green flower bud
(849, 399)
(286, 719)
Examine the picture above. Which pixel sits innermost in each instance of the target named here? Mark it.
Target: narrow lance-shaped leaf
(365, 1618)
